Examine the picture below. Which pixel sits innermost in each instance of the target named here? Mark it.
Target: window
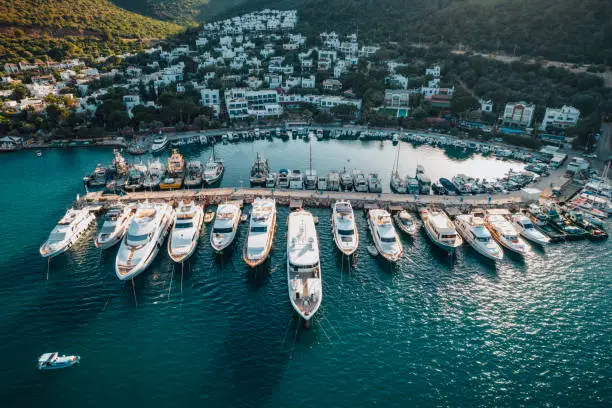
(135, 239)
(218, 230)
(259, 229)
(387, 239)
(528, 226)
(346, 232)
(179, 225)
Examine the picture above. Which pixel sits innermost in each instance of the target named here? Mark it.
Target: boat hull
(256, 262)
(449, 248)
(385, 255)
(81, 229)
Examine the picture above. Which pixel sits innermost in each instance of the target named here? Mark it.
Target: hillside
(178, 11)
(59, 28)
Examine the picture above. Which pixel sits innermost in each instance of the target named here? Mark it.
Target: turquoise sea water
(428, 331)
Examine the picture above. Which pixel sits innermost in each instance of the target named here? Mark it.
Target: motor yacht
(405, 222)
(159, 144)
(398, 184)
(225, 226)
(346, 180)
(213, 169)
(310, 179)
(67, 231)
(333, 181)
(385, 237)
(135, 177)
(193, 174)
(303, 265)
(271, 180)
(154, 175)
(440, 229)
(145, 235)
(474, 231)
(296, 180)
(344, 227)
(504, 232)
(176, 172)
(374, 183)
(283, 178)
(525, 227)
(116, 222)
(98, 178)
(260, 235)
(187, 225)
(360, 183)
(322, 183)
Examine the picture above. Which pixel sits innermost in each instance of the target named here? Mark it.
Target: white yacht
(115, 224)
(385, 237)
(344, 227)
(188, 219)
(303, 266)
(473, 229)
(360, 183)
(322, 183)
(296, 180)
(283, 178)
(213, 169)
(67, 231)
(53, 361)
(310, 179)
(406, 222)
(260, 235)
(440, 230)
(159, 144)
(525, 227)
(504, 233)
(144, 237)
(225, 226)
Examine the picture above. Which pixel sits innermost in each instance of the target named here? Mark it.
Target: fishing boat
(333, 181)
(579, 219)
(473, 230)
(321, 183)
(145, 235)
(344, 227)
(135, 177)
(175, 173)
(261, 232)
(374, 183)
(504, 232)
(193, 174)
(259, 171)
(283, 178)
(440, 230)
(53, 361)
(525, 227)
(448, 186)
(213, 169)
(187, 225)
(303, 264)
(271, 180)
(225, 226)
(540, 220)
(159, 144)
(116, 222)
(154, 175)
(346, 180)
(296, 180)
(67, 231)
(561, 224)
(412, 185)
(98, 178)
(385, 237)
(360, 183)
(423, 180)
(398, 184)
(405, 222)
(118, 172)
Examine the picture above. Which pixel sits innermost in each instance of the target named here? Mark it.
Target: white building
(518, 114)
(211, 98)
(308, 82)
(397, 81)
(397, 98)
(434, 71)
(320, 101)
(562, 118)
(486, 106)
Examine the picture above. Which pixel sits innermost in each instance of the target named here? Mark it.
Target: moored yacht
(159, 144)
(193, 174)
(259, 171)
(525, 227)
(135, 177)
(310, 179)
(374, 183)
(344, 227)
(385, 237)
(67, 231)
(261, 232)
(333, 181)
(115, 224)
(473, 229)
(225, 226)
(154, 175)
(271, 180)
(213, 169)
(144, 237)
(406, 222)
(398, 184)
(440, 229)
(346, 180)
(283, 178)
(176, 172)
(188, 219)
(303, 265)
(322, 183)
(504, 232)
(360, 183)
(296, 180)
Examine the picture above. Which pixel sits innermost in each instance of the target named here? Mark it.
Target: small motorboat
(405, 222)
(372, 250)
(53, 361)
(39, 153)
(209, 216)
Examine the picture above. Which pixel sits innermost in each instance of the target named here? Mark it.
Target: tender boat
(374, 183)
(154, 175)
(303, 265)
(144, 237)
(225, 226)
(283, 178)
(193, 174)
(261, 232)
(525, 227)
(505, 233)
(67, 231)
(322, 183)
(473, 229)
(385, 237)
(259, 171)
(360, 183)
(98, 178)
(333, 181)
(135, 177)
(296, 180)
(271, 180)
(310, 179)
(159, 144)
(213, 169)
(344, 227)
(53, 361)
(188, 219)
(346, 180)
(405, 222)
(115, 225)
(440, 230)
(176, 172)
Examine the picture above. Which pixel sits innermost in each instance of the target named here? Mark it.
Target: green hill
(33, 29)
(178, 11)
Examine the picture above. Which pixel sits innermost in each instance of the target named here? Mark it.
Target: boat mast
(310, 146)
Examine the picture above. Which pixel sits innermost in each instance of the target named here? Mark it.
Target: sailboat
(310, 178)
(398, 184)
(213, 169)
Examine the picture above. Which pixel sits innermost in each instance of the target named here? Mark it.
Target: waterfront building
(562, 118)
(517, 115)
(210, 98)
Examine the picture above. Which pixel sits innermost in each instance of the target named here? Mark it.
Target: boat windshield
(137, 239)
(57, 236)
(346, 232)
(188, 224)
(444, 236)
(219, 230)
(259, 229)
(527, 225)
(387, 239)
(482, 239)
(107, 229)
